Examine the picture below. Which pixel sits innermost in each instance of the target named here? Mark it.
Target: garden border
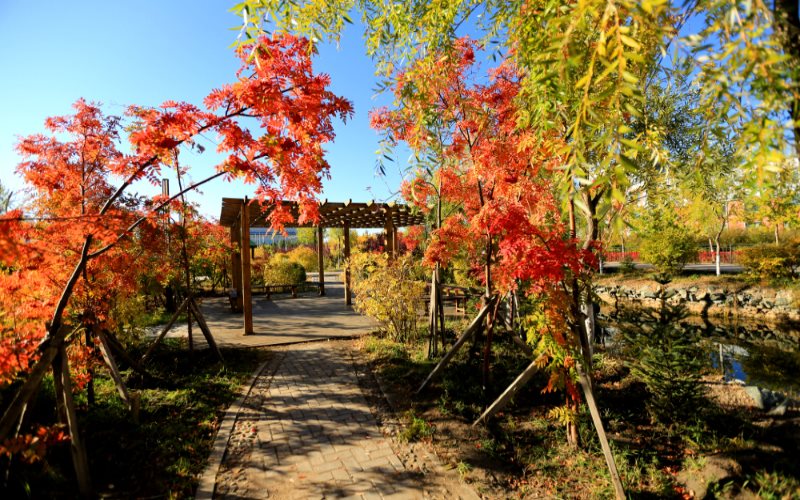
(208, 480)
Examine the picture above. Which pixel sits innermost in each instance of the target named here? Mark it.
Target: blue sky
(146, 52)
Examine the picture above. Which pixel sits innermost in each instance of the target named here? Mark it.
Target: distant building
(260, 236)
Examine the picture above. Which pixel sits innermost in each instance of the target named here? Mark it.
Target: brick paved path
(306, 431)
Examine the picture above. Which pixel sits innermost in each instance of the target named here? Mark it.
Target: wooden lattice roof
(358, 215)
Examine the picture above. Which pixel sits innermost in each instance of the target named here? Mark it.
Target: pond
(764, 355)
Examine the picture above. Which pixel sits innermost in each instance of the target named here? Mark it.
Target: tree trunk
(716, 256)
(572, 429)
(587, 306)
(787, 17)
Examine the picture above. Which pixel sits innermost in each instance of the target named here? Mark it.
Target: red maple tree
(499, 176)
(75, 239)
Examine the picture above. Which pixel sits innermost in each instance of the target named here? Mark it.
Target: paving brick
(312, 430)
(328, 466)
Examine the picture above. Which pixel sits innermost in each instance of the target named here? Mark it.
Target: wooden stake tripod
(56, 356)
(192, 309)
(583, 380)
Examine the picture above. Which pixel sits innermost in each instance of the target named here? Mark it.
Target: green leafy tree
(666, 242)
(307, 236)
(714, 198)
(775, 201)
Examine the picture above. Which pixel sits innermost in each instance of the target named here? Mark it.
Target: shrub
(282, 272)
(666, 243)
(772, 261)
(666, 358)
(304, 256)
(387, 292)
(627, 266)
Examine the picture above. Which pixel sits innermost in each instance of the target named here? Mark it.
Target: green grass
(163, 452)
(158, 317)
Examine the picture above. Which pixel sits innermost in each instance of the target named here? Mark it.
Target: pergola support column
(347, 293)
(321, 259)
(236, 266)
(247, 299)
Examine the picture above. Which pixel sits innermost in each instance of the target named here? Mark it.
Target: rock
(780, 409)
(755, 394)
(718, 297)
(767, 400)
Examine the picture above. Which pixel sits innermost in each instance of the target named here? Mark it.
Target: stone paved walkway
(306, 431)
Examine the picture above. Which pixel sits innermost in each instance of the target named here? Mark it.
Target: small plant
(416, 429)
(627, 265)
(488, 446)
(444, 404)
(463, 469)
(775, 486)
(694, 462)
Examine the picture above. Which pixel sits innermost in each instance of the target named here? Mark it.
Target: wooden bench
(268, 290)
(451, 294)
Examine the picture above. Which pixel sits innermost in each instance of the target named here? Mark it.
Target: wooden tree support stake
(588, 392)
(512, 389)
(212, 344)
(521, 344)
(130, 400)
(66, 410)
(119, 351)
(166, 329)
(471, 329)
(29, 388)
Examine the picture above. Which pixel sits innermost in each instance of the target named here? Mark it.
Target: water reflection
(757, 354)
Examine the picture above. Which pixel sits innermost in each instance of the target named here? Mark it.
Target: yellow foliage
(387, 292)
(304, 256)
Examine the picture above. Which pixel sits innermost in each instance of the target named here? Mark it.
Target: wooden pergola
(347, 215)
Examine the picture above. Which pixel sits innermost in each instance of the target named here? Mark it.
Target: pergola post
(236, 266)
(347, 294)
(321, 259)
(247, 302)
